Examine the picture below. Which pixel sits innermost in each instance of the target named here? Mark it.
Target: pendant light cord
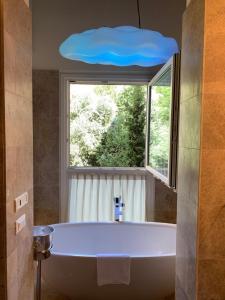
(139, 14)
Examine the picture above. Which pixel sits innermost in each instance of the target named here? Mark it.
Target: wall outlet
(20, 223)
(21, 201)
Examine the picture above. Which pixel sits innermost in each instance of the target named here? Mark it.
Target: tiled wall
(211, 229)
(189, 149)
(165, 208)
(16, 103)
(3, 265)
(201, 186)
(46, 146)
(161, 202)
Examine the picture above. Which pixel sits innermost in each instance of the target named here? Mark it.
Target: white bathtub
(72, 268)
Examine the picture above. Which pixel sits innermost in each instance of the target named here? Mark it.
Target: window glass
(160, 114)
(107, 125)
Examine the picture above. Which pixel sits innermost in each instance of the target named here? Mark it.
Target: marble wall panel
(187, 203)
(46, 146)
(211, 279)
(189, 150)
(3, 265)
(165, 203)
(192, 45)
(211, 235)
(201, 271)
(16, 102)
(189, 133)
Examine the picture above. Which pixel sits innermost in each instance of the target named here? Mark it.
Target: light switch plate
(20, 223)
(21, 201)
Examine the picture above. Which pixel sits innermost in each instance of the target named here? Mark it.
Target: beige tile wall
(201, 186)
(211, 238)
(3, 266)
(164, 208)
(189, 149)
(16, 102)
(46, 146)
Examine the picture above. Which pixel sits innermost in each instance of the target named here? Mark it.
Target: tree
(123, 144)
(159, 129)
(113, 150)
(136, 125)
(90, 116)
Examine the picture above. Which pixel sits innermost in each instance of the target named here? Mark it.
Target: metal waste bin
(42, 244)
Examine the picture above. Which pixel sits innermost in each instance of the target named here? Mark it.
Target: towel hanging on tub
(113, 269)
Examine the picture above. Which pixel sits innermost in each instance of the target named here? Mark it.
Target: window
(107, 125)
(163, 122)
(102, 149)
(109, 142)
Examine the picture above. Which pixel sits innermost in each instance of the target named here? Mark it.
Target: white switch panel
(21, 201)
(20, 223)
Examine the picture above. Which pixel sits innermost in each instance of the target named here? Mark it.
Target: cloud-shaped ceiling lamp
(119, 46)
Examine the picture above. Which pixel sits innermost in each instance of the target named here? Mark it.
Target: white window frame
(87, 78)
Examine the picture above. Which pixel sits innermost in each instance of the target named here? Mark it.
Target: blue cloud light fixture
(119, 46)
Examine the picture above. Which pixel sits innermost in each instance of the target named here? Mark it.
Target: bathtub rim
(68, 254)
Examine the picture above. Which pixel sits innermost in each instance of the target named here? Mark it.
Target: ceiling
(55, 20)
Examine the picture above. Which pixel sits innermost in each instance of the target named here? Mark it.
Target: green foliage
(113, 150)
(136, 125)
(123, 144)
(88, 121)
(160, 126)
(118, 138)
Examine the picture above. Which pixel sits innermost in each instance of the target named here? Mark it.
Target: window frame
(174, 64)
(84, 78)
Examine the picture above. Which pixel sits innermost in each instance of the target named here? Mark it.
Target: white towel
(113, 269)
